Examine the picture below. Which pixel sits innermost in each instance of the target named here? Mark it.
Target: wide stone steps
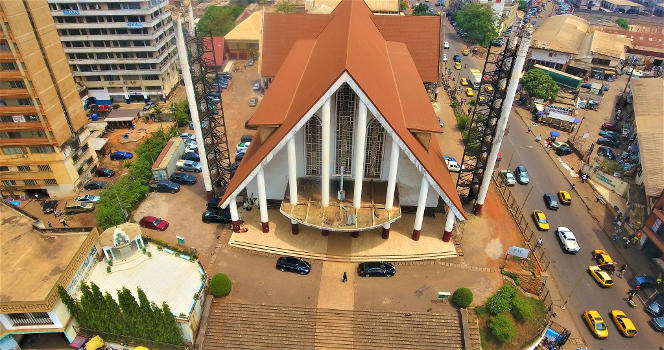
(127, 264)
(246, 326)
(341, 258)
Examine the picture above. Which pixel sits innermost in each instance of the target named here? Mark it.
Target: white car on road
(446, 45)
(568, 240)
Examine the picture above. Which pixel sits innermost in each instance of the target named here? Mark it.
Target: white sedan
(444, 57)
(446, 45)
(87, 198)
(568, 240)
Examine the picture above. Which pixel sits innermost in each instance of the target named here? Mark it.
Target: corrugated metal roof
(564, 33)
(649, 119)
(611, 45)
(247, 30)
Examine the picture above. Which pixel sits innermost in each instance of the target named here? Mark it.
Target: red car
(154, 223)
(610, 126)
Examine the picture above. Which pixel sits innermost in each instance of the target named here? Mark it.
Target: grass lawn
(526, 331)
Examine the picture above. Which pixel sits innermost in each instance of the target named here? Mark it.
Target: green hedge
(123, 196)
(220, 285)
(502, 328)
(521, 309)
(462, 297)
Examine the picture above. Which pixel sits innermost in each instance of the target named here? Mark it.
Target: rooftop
(34, 262)
(329, 5)
(564, 33)
(624, 3)
(640, 40)
(649, 119)
(247, 30)
(611, 45)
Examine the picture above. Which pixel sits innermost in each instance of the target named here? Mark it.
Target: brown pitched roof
(420, 34)
(384, 71)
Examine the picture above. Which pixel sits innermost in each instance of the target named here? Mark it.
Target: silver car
(568, 240)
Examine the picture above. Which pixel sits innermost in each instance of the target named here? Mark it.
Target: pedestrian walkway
(333, 293)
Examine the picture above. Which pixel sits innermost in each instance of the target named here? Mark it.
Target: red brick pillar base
(447, 236)
(266, 227)
(236, 226)
(477, 210)
(295, 229)
(416, 235)
(386, 233)
(355, 234)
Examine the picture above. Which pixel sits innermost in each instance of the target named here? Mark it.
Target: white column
(449, 225)
(106, 254)
(360, 143)
(392, 175)
(325, 154)
(262, 199)
(292, 171)
(235, 218)
(193, 110)
(192, 29)
(421, 203)
(502, 122)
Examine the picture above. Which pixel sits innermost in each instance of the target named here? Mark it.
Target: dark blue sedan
(291, 264)
(121, 155)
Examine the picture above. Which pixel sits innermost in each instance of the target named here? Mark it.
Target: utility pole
(502, 122)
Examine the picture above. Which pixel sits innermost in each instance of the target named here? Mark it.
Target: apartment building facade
(43, 139)
(121, 50)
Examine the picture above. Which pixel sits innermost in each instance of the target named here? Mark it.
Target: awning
(560, 116)
(99, 94)
(95, 343)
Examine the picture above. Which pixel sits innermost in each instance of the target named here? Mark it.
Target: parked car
(154, 223)
(644, 281)
(457, 65)
(376, 268)
(188, 165)
(557, 145)
(444, 57)
(250, 127)
(568, 240)
(256, 86)
(522, 175)
(610, 126)
(550, 201)
(563, 151)
(465, 52)
(607, 142)
(87, 198)
(470, 92)
(657, 323)
(183, 179)
(79, 207)
(452, 165)
(104, 172)
(600, 276)
(213, 203)
(498, 42)
(217, 215)
(623, 323)
(565, 197)
(606, 152)
(540, 220)
(95, 185)
(226, 75)
(457, 58)
(250, 62)
(149, 105)
(656, 307)
(121, 155)
(191, 156)
(253, 102)
(609, 133)
(463, 82)
(246, 138)
(292, 264)
(446, 45)
(595, 322)
(507, 177)
(165, 186)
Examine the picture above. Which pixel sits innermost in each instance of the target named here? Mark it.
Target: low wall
(610, 182)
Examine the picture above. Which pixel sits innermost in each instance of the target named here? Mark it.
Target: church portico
(340, 215)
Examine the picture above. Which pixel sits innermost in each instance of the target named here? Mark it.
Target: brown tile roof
(640, 40)
(420, 34)
(384, 71)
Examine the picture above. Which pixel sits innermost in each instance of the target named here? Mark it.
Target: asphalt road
(570, 271)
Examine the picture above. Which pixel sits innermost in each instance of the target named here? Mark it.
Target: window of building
(44, 167)
(30, 182)
(42, 149)
(24, 102)
(8, 66)
(17, 84)
(4, 46)
(50, 182)
(23, 168)
(312, 144)
(22, 135)
(4, 168)
(18, 118)
(30, 319)
(13, 150)
(374, 149)
(9, 182)
(344, 128)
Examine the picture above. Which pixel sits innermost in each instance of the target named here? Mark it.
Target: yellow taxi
(464, 81)
(469, 92)
(596, 323)
(602, 277)
(465, 52)
(457, 65)
(540, 220)
(604, 260)
(565, 197)
(623, 323)
(488, 88)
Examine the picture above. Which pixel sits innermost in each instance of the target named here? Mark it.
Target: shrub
(220, 285)
(508, 290)
(149, 255)
(108, 269)
(502, 328)
(498, 303)
(521, 309)
(462, 297)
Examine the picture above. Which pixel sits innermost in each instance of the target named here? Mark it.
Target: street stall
(557, 120)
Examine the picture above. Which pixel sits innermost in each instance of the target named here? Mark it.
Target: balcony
(17, 110)
(341, 215)
(6, 56)
(128, 72)
(124, 60)
(10, 75)
(20, 126)
(14, 93)
(120, 49)
(107, 37)
(118, 12)
(151, 23)
(24, 142)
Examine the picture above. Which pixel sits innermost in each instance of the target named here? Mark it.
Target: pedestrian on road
(540, 242)
(572, 189)
(623, 268)
(50, 225)
(529, 129)
(599, 197)
(344, 278)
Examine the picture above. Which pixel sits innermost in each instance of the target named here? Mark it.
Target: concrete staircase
(256, 327)
(127, 264)
(340, 258)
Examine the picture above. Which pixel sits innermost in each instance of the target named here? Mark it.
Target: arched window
(312, 144)
(374, 149)
(345, 103)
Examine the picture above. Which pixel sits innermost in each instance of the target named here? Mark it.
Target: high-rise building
(121, 50)
(43, 139)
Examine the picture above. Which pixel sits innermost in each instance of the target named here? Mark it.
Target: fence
(522, 222)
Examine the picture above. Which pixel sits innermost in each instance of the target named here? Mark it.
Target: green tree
(285, 7)
(156, 111)
(219, 20)
(462, 297)
(403, 6)
(622, 23)
(180, 111)
(502, 328)
(478, 22)
(523, 5)
(540, 85)
(521, 309)
(422, 10)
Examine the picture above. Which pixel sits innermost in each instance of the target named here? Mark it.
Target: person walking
(572, 188)
(623, 268)
(599, 197)
(540, 242)
(50, 224)
(344, 278)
